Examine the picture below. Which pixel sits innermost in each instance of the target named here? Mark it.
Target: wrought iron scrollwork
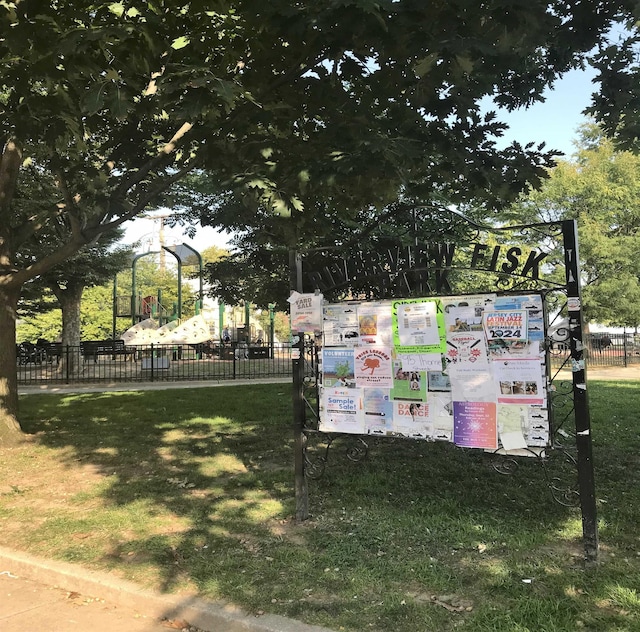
(356, 450)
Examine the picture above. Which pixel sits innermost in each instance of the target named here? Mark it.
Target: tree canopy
(600, 188)
(287, 104)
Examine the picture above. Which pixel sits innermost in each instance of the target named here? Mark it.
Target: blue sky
(556, 120)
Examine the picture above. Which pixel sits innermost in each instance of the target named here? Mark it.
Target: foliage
(202, 498)
(600, 188)
(616, 106)
(332, 100)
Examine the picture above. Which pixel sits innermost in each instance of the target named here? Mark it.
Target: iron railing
(603, 349)
(154, 363)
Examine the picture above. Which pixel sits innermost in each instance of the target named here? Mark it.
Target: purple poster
(475, 425)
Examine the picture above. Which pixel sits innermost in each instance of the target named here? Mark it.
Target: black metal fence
(604, 349)
(152, 363)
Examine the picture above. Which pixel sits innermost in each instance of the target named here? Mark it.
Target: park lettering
(424, 267)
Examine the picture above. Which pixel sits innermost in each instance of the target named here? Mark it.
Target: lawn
(193, 490)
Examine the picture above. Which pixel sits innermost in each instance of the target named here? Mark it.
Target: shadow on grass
(197, 489)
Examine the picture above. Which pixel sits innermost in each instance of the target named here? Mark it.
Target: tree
(616, 106)
(333, 100)
(601, 189)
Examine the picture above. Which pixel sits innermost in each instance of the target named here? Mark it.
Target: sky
(554, 121)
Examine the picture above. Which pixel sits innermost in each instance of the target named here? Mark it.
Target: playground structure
(140, 308)
(152, 321)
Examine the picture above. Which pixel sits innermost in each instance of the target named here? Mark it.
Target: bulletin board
(468, 369)
(385, 345)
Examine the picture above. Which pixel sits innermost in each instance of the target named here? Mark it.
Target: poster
(475, 425)
(511, 421)
(373, 367)
(420, 361)
(532, 303)
(473, 383)
(418, 326)
(374, 324)
(519, 381)
(338, 368)
(342, 411)
(340, 325)
(505, 325)
(306, 312)
(378, 411)
(408, 385)
(411, 419)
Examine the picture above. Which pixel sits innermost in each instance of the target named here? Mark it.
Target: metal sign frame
(403, 269)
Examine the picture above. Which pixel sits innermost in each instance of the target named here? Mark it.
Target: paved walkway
(41, 596)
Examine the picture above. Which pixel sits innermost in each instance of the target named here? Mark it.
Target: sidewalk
(43, 596)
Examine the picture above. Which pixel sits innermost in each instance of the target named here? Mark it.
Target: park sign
(424, 268)
(448, 340)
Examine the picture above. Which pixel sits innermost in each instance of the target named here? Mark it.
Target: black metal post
(586, 480)
(297, 355)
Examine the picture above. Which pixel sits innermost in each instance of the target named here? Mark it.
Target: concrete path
(42, 596)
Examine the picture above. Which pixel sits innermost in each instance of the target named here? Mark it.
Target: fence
(604, 349)
(153, 363)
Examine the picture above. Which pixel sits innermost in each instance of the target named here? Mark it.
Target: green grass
(193, 489)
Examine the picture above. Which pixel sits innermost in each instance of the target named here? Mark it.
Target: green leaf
(280, 207)
(180, 42)
(117, 8)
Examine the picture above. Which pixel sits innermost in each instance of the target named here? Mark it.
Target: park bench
(52, 350)
(91, 349)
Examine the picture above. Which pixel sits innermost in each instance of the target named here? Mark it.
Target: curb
(207, 615)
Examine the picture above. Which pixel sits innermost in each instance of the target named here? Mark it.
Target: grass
(193, 490)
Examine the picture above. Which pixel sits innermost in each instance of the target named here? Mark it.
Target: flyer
(418, 326)
(532, 303)
(511, 421)
(340, 325)
(411, 419)
(519, 381)
(342, 411)
(463, 319)
(505, 325)
(466, 348)
(338, 368)
(374, 324)
(373, 367)
(378, 411)
(472, 383)
(441, 412)
(475, 425)
(420, 361)
(408, 385)
(306, 312)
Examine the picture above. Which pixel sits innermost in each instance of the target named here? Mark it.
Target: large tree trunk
(10, 431)
(70, 299)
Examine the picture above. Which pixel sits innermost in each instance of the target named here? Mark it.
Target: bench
(52, 350)
(91, 349)
(27, 352)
